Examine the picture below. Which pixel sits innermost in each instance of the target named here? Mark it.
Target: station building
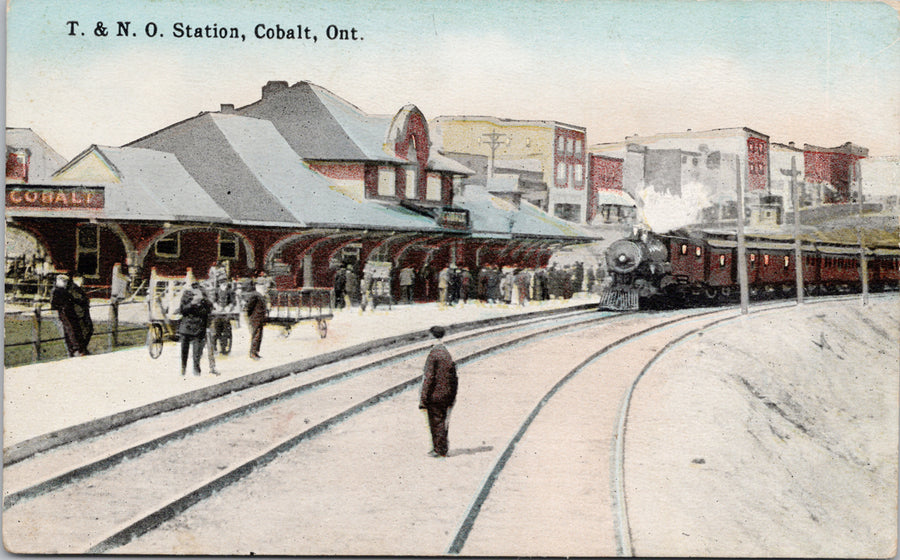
(292, 186)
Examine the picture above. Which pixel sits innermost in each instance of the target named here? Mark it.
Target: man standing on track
(439, 386)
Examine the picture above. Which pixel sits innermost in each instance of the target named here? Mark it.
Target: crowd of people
(207, 310)
(517, 286)
(454, 284)
(29, 275)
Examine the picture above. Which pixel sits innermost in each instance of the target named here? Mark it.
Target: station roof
(252, 172)
(492, 216)
(318, 125)
(250, 167)
(138, 184)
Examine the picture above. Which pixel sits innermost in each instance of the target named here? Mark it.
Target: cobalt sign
(54, 199)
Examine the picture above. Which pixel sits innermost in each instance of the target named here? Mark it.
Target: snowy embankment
(772, 435)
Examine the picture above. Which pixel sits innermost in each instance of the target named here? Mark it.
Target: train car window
(698, 252)
(765, 260)
(721, 261)
(683, 249)
(787, 261)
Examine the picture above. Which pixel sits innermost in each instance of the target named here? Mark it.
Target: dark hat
(437, 332)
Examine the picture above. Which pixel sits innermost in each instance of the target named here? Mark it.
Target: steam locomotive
(648, 270)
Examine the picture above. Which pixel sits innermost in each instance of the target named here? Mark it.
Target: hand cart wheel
(322, 327)
(154, 340)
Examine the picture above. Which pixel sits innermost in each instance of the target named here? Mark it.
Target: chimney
(227, 108)
(273, 87)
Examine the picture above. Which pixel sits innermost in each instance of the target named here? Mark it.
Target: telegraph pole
(863, 263)
(798, 254)
(493, 140)
(741, 242)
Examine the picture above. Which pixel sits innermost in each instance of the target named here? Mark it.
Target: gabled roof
(305, 194)
(250, 170)
(204, 150)
(144, 185)
(319, 125)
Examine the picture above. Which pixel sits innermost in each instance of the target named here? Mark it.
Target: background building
(830, 173)
(554, 151)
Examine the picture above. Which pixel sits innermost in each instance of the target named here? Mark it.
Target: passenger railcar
(701, 267)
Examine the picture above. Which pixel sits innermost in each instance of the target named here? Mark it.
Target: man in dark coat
(82, 304)
(63, 303)
(224, 302)
(257, 313)
(439, 386)
(352, 287)
(195, 310)
(340, 286)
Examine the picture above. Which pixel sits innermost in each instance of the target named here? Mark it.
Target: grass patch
(18, 330)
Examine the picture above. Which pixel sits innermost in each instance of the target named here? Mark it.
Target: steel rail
(153, 519)
(624, 546)
(468, 522)
(94, 467)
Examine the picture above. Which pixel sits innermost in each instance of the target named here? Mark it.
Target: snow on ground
(772, 435)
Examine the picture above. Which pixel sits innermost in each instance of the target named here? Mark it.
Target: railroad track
(182, 477)
(46, 485)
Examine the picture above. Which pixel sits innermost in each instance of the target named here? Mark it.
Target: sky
(815, 72)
